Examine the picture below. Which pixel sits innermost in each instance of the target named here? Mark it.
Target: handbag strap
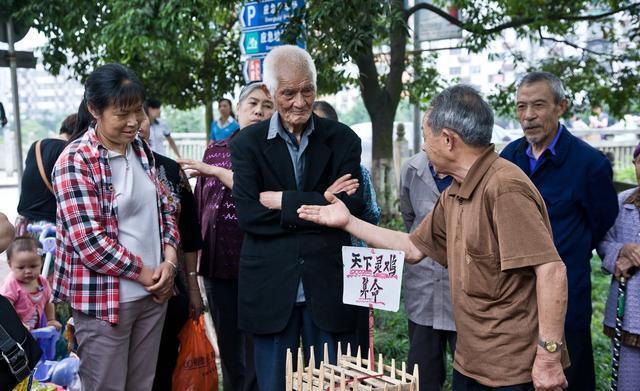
(41, 167)
(13, 353)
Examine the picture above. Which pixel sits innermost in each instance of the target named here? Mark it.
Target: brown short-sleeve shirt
(489, 231)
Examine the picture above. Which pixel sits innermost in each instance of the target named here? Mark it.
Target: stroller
(62, 373)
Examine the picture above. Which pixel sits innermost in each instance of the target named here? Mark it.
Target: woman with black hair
(226, 125)
(116, 236)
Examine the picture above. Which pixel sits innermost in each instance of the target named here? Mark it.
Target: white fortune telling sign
(372, 277)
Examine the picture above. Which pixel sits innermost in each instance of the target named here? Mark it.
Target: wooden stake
(289, 365)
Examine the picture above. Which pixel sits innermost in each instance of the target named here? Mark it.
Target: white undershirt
(138, 228)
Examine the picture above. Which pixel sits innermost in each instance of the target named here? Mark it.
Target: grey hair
(287, 59)
(552, 81)
(461, 108)
(248, 89)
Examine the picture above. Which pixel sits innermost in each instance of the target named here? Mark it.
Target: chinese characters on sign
(372, 277)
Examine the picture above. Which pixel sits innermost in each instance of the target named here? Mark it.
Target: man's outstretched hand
(335, 215)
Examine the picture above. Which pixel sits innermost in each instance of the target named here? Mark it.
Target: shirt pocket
(481, 275)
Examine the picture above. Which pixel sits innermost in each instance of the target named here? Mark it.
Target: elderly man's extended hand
(547, 373)
(335, 215)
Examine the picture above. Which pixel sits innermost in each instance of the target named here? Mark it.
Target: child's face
(25, 265)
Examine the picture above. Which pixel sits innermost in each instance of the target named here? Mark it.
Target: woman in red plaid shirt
(116, 236)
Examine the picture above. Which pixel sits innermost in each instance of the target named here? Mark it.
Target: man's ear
(448, 138)
(563, 105)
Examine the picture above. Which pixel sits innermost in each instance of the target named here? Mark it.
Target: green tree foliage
(375, 36)
(185, 51)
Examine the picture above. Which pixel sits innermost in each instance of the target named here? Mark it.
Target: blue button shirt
(533, 162)
(441, 182)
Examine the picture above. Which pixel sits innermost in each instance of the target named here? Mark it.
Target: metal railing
(193, 145)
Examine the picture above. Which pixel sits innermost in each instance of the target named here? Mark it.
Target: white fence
(618, 143)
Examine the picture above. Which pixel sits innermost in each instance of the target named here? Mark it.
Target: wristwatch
(550, 346)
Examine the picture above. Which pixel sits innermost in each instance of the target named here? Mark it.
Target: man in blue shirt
(576, 183)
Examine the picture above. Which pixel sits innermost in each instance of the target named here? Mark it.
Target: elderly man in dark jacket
(290, 280)
(576, 183)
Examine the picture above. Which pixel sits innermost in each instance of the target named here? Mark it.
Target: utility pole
(14, 90)
(417, 133)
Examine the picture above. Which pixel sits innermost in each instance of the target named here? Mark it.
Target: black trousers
(428, 349)
(581, 374)
(464, 383)
(236, 347)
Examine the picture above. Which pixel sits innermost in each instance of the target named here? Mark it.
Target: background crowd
(500, 247)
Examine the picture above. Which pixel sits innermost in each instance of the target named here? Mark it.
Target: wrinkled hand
(163, 276)
(632, 252)
(623, 267)
(547, 373)
(336, 214)
(194, 168)
(271, 199)
(344, 184)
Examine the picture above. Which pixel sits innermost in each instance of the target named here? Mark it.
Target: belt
(628, 339)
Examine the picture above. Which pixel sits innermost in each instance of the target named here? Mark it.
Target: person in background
(159, 129)
(427, 297)
(226, 124)
(37, 204)
(25, 288)
(188, 300)
(116, 236)
(620, 253)
(508, 294)
(576, 182)
(3, 117)
(223, 240)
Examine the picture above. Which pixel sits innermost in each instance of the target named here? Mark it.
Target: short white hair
(287, 59)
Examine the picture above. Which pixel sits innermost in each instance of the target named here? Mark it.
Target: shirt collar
(551, 147)
(475, 174)
(275, 127)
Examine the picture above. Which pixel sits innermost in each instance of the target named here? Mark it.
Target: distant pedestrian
(3, 116)
(159, 129)
(226, 124)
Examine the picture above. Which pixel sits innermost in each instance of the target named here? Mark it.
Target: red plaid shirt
(89, 259)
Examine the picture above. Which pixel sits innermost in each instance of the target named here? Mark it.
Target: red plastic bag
(196, 367)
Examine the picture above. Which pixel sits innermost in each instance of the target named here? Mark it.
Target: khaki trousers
(124, 356)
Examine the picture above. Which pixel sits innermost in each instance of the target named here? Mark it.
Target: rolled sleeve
(523, 231)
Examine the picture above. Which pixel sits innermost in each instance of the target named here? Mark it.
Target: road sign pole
(16, 103)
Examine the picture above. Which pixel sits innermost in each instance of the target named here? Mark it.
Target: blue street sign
(267, 12)
(260, 42)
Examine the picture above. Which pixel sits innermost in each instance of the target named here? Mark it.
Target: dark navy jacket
(577, 186)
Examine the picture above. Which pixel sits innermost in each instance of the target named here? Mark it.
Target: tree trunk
(382, 167)
(208, 118)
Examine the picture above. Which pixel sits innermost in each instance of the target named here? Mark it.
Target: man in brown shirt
(491, 229)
